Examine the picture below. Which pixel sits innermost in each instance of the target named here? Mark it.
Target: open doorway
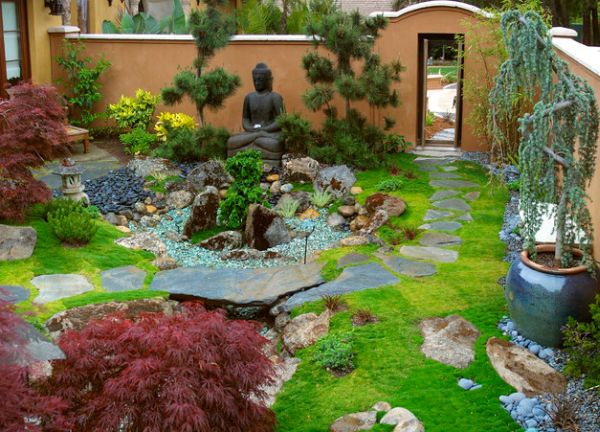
(440, 90)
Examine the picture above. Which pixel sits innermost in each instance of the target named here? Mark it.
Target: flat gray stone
(451, 184)
(126, 278)
(443, 194)
(260, 286)
(428, 167)
(444, 175)
(452, 204)
(472, 196)
(465, 217)
(449, 168)
(439, 239)
(441, 226)
(433, 161)
(13, 293)
(408, 267)
(57, 286)
(352, 258)
(431, 253)
(437, 214)
(38, 348)
(357, 278)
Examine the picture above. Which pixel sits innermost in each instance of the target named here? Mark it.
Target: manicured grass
(449, 71)
(389, 364)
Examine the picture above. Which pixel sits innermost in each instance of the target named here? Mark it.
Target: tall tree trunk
(560, 15)
(595, 26)
(587, 25)
(285, 10)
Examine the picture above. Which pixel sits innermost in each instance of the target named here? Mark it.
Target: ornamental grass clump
(557, 152)
(288, 208)
(320, 199)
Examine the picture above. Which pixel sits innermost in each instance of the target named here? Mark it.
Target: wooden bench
(75, 134)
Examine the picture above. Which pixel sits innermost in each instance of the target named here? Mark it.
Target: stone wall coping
(63, 29)
(432, 4)
(588, 57)
(187, 37)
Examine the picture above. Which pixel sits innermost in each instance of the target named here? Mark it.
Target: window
(14, 53)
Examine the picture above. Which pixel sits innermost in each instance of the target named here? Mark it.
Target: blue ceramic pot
(541, 300)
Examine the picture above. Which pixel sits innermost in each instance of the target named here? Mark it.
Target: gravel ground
(118, 190)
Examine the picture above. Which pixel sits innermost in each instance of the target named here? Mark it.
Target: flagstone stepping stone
(433, 161)
(439, 239)
(352, 258)
(452, 204)
(356, 278)
(444, 175)
(437, 214)
(408, 267)
(428, 168)
(472, 196)
(13, 293)
(441, 226)
(443, 194)
(449, 168)
(431, 253)
(126, 278)
(460, 184)
(57, 286)
(465, 217)
(449, 340)
(258, 286)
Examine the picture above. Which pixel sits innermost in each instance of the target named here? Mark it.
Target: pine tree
(207, 89)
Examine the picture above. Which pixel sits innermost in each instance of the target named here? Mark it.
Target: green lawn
(449, 71)
(389, 365)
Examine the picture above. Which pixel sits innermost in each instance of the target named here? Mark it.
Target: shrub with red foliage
(194, 371)
(32, 130)
(22, 407)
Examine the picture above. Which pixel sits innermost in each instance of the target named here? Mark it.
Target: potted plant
(557, 154)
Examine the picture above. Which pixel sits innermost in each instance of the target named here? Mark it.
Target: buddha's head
(262, 77)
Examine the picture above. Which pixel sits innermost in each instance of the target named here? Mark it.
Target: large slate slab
(437, 214)
(430, 253)
(443, 194)
(125, 278)
(408, 267)
(452, 204)
(452, 184)
(57, 286)
(433, 161)
(449, 168)
(441, 226)
(439, 239)
(13, 293)
(444, 175)
(260, 286)
(352, 279)
(352, 258)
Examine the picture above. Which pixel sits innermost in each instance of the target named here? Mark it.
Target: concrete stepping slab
(352, 258)
(407, 267)
(433, 161)
(428, 168)
(125, 278)
(472, 196)
(465, 218)
(13, 293)
(441, 226)
(430, 253)
(258, 286)
(444, 175)
(57, 286)
(443, 194)
(357, 278)
(452, 204)
(449, 168)
(437, 214)
(439, 239)
(451, 184)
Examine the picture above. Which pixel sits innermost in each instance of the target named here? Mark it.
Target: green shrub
(296, 133)
(429, 118)
(396, 143)
(134, 112)
(335, 352)
(582, 344)
(246, 168)
(390, 185)
(70, 222)
(138, 141)
(188, 145)
(288, 208)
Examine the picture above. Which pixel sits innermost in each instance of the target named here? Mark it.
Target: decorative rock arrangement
(144, 166)
(300, 169)
(16, 242)
(204, 211)
(305, 330)
(143, 240)
(210, 173)
(117, 191)
(337, 180)
(264, 228)
(449, 340)
(401, 418)
(529, 412)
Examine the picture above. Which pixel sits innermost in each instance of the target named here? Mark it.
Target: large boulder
(145, 166)
(403, 419)
(355, 422)
(449, 340)
(524, 370)
(302, 197)
(337, 180)
(16, 242)
(224, 240)
(180, 199)
(204, 211)
(394, 206)
(265, 228)
(210, 173)
(300, 169)
(305, 330)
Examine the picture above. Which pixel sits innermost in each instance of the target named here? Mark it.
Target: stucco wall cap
(63, 29)
(173, 37)
(562, 32)
(433, 4)
(588, 57)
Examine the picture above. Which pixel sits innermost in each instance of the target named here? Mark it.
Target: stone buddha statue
(261, 108)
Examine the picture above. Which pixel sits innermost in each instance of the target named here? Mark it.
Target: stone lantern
(71, 181)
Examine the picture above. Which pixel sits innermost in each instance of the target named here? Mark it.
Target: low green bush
(390, 184)
(138, 141)
(134, 112)
(71, 222)
(335, 352)
(188, 145)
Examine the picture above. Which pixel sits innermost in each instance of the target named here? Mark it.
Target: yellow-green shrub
(134, 112)
(167, 120)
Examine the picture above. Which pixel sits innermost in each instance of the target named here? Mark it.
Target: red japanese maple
(194, 371)
(32, 130)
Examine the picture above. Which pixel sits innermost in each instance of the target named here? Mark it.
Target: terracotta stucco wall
(38, 21)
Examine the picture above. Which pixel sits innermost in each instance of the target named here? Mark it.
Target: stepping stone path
(437, 214)
(444, 175)
(58, 286)
(452, 204)
(431, 253)
(123, 279)
(449, 340)
(408, 267)
(458, 184)
(443, 194)
(353, 258)
(439, 239)
(441, 226)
